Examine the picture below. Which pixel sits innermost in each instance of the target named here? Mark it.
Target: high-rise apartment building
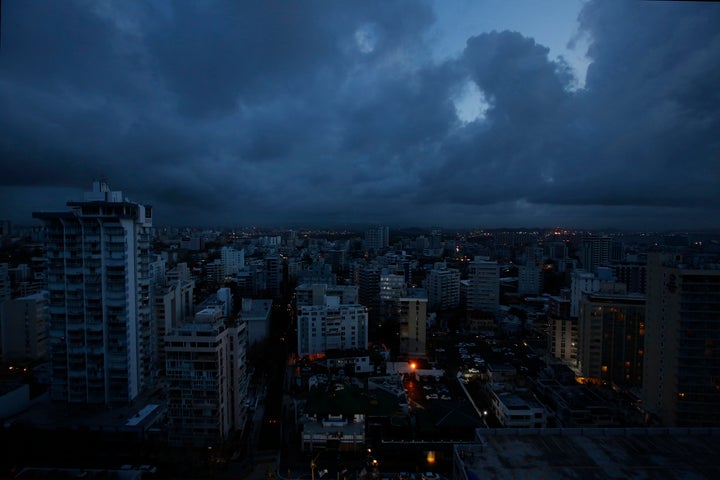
(587, 282)
(562, 331)
(101, 341)
(215, 272)
(484, 285)
(179, 272)
(274, 273)
(413, 323)
(595, 252)
(443, 287)
(436, 236)
(612, 338)
(172, 306)
(392, 287)
(530, 279)
(555, 251)
(231, 260)
(377, 238)
(207, 378)
(331, 326)
(681, 378)
(632, 274)
(369, 286)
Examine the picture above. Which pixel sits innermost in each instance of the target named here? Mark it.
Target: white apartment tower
(98, 279)
(331, 326)
(484, 285)
(443, 287)
(232, 260)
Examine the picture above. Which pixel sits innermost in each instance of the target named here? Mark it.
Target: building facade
(308, 294)
(256, 314)
(24, 328)
(612, 338)
(413, 323)
(332, 326)
(563, 337)
(530, 279)
(443, 287)
(101, 334)
(377, 238)
(207, 378)
(484, 285)
(595, 252)
(232, 260)
(681, 378)
(172, 306)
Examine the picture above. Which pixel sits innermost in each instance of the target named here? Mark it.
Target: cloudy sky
(457, 113)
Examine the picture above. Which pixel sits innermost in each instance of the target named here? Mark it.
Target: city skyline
(586, 114)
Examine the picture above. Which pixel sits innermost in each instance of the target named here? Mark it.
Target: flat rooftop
(143, 413)
(591, 453)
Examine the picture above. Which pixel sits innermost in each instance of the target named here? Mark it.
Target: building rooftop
(143, 413)
(592, 453)
(253, 308)
(350, 400)
(335, 353)
(74, 473)
(514, 401)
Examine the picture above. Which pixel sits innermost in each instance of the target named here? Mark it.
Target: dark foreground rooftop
(590, 453)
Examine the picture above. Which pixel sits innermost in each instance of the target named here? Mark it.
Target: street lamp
(313, 466)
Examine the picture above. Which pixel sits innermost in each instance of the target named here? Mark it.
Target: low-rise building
(355, 360)
(518, 409)
(331, 326)
(24, 330)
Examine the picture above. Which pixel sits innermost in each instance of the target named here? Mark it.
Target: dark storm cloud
(216, 57)
(315, 111)
(641, 133)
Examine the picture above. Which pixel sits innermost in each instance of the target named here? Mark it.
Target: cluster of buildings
(654, 335)
(112, 320)
(116, 324)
